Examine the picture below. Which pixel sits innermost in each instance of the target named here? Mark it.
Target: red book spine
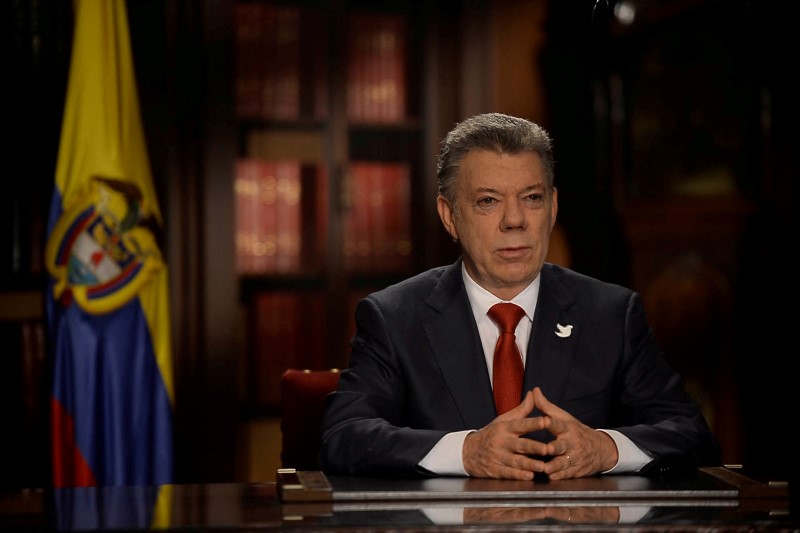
(320, 203)
(247, 232)
(266, 240)
(289, 333)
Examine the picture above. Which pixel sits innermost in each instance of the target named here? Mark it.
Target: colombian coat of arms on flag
(107, 301)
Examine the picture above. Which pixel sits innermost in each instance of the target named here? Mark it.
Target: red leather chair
(303, 395)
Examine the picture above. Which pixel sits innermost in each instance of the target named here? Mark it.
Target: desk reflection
(499, 515)
(102, 508)
(518, 514)
(618, 503)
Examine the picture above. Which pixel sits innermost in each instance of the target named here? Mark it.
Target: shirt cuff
(445, 458)
(630, 458)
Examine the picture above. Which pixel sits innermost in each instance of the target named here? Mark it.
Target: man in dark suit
(597, 394)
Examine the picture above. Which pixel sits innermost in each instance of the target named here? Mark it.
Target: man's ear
(553, 208)
(446, 216)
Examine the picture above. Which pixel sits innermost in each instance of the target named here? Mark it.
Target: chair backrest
(303, 395)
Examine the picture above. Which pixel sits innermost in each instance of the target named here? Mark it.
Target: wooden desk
(709, 500)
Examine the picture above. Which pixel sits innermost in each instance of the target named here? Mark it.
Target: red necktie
(507, 372)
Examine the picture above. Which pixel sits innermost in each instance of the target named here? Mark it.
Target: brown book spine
(287, 215)
(378, 215)
(310, 331)
(248, 43)
(377, 65)
(397, 93)
(385, 49)
(359, 235)
(316, 36)
(374, 32)
(349, 229)
(357, 53)
(398, 230)
(286, 73)
(267, 347)
(34, 350)
(268, 60)
(289, 333)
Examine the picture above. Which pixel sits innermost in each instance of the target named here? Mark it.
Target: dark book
(289, 332)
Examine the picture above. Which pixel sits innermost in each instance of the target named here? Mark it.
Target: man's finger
(522, 410)
(545, 406)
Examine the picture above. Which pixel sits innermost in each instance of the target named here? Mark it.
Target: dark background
(675, 141)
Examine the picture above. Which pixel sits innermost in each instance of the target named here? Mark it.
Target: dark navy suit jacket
(417, 371)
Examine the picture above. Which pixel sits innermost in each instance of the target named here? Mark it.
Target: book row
(281, 222)
(281, 71)
(289, 331)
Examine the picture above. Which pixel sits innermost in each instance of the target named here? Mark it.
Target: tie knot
(506, 316)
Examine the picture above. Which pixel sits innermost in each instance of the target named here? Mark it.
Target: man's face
(503, 218)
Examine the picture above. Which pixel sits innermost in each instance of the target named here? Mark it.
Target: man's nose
(513, 214)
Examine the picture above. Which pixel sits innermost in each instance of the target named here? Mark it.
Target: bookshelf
(330, 138)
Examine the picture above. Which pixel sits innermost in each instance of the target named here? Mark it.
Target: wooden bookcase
(330, 146)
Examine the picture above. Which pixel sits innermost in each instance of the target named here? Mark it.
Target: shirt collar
(481, 299)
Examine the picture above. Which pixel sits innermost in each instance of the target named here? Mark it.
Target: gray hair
(498, 133)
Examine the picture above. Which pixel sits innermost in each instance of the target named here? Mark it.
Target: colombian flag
(107, 300)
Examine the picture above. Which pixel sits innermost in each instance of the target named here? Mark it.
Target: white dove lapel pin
(563, 331)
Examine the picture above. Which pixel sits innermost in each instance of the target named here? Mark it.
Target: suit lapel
(550, 356)
(453, 335)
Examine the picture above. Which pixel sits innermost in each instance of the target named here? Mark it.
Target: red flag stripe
(70, 468)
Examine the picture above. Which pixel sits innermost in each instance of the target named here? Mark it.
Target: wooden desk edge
(313, 485)
(748, 487)
(303, 486)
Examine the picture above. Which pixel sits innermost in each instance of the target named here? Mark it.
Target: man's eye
(486, 201)
(536, 198)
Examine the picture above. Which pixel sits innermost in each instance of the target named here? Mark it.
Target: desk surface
(708, 500)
